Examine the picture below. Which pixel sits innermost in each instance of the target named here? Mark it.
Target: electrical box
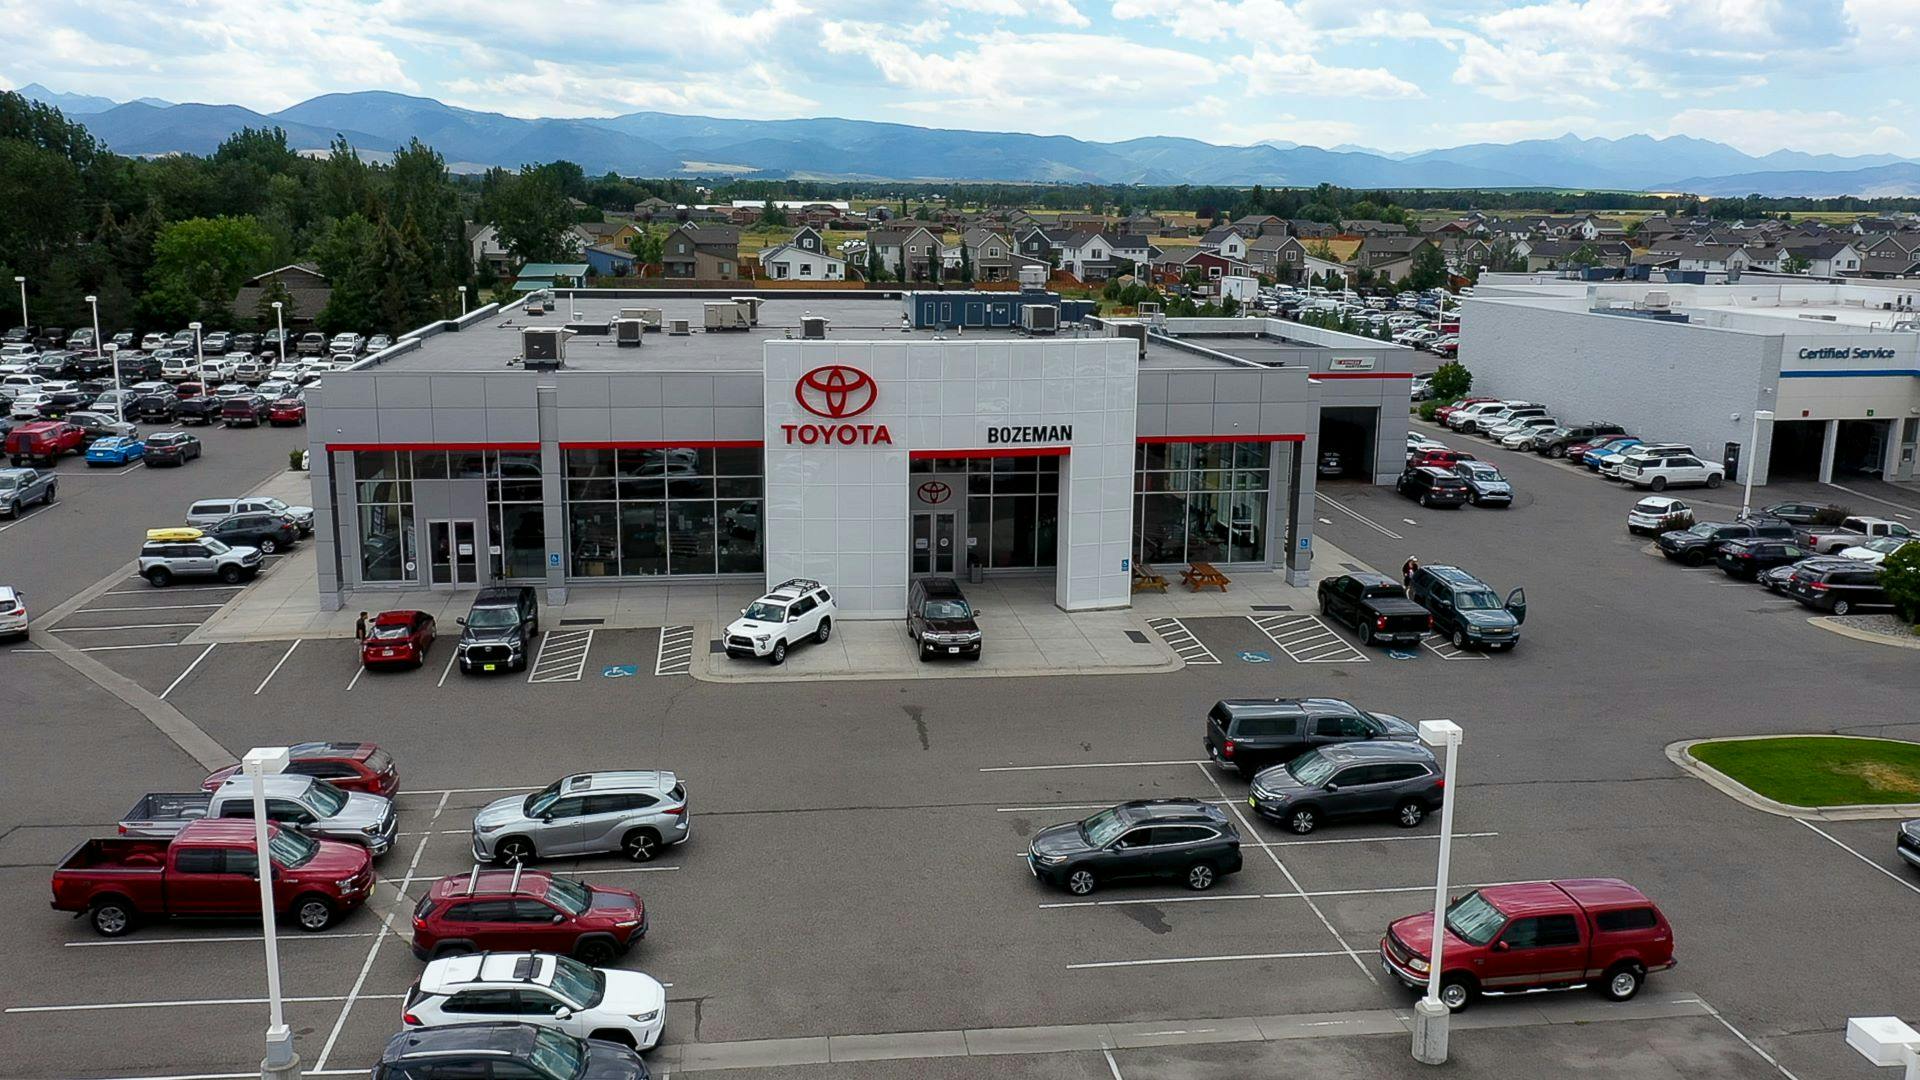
(1039, 318)
(679, 327)
(813, 328)
(627, 332)
(543, 347)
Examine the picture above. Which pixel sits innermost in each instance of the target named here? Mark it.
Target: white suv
(1661, 471)
(541, 989)
(790, 612)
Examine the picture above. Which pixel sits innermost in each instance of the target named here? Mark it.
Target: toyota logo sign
(836, 391)
(934, 492)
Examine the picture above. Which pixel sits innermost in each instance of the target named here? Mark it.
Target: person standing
(360, 629)
(1406, 571)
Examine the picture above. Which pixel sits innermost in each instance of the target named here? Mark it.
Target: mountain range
(666, 144)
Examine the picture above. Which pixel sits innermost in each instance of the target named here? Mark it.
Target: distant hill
(664, 144)
(76, 104)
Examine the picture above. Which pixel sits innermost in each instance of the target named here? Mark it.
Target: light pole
(280, 329)
(199, 358)
(1430, 1013)
(1886, 1040)
(462, 290)
(120, 401)
(22, 282)
(281, 1063)
(1753, 454)
(94, 303)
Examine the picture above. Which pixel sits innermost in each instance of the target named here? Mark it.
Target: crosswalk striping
(676, 651)
(1190, 648)
(1442, 648)
(1307, 640)
(562, 656)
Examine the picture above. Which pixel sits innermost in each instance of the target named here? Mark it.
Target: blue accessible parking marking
(1257, 657)
(619, 671)
(1398, 654)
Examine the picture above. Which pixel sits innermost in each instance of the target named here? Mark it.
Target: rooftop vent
(813, 328)
(543, 348)
(679, 327)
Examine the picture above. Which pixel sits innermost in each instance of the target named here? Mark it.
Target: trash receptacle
(973, 570)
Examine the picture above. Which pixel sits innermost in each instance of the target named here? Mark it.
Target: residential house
(990, 253)
(301, 289)
(653, 207)
(1568, 252)
(1369, 227)
(1313, 266)
(1035, 243)
(1712, 258)
(1170, 265)
(803, 258)
(1278, 256)
(1257, 225)
(1390, 258)
(1088, 256)
(921, 247)
(611, 260)
(1229, 241)
(1212, 266)
(608, 233)
(485, 249)
(1311, 230)
(1465, 254)
(1889, 245)
(702, 253)
(1888, 266)
(1826, 258)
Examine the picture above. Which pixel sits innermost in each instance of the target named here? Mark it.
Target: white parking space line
(178, 679)
(1165, 960)
(1444, 649)
(188, 1003)
(149, 607)
(1073, 806)
(115, 943)
(1317, 893)
(1112, 1065)
(108, 648)
(445, 670)
(675, 655)
(148, 590)
(1191, 650)
(1093, 765)
(1433, 838)
(355, 681)
(620, 870)
(562, 656)
(1307, 640)
(1902, 882)
(1738, 1034)
(129, 626)
(276, 667)
(1359, 517)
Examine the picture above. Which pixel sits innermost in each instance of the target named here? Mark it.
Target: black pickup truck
(1375, 606)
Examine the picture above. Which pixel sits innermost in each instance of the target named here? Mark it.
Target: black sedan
(1182, 839)
(1746, 559)
(197, 410)
(171, 448)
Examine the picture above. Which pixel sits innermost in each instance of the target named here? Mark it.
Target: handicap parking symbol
(1399, 654)
(1257, 657)
(619, 671)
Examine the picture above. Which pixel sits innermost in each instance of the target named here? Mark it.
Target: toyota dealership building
(861, 439)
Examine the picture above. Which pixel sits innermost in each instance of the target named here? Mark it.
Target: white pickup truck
(1851, 532)
(313, 807)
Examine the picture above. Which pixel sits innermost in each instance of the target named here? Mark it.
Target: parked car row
(1819, 555)
(1601, 447)
(1437, 599)
(1437, 475)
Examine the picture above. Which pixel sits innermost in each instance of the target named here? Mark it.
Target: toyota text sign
(836, 392)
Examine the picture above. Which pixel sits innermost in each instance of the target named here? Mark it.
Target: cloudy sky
(1818, 75)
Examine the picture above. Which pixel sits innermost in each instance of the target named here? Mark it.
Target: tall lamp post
(120, 401)
(280, 327)
(22, 282)
(1886, 1040)
(1430, 1013)
(462, 290)
(94, 303)
(281, 1063)
(199, 358)
(1753, 457)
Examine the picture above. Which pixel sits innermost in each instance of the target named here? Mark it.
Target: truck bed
(165, 813)
(117, 853)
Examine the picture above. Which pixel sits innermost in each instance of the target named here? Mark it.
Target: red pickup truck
(1539, 935)
(209, 870)
(42, 442)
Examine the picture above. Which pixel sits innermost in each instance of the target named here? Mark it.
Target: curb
(1821, 621)
(701, 670)
(1680, 754)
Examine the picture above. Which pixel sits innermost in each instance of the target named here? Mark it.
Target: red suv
(397, 637)
(1445, 411)
(43, 441)
(526, 910)
(1439, 459)
(349, 766)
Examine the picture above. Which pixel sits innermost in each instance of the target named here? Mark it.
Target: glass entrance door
(453, 554)
(935, 542)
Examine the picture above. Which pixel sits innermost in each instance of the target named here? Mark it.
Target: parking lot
(855, 869)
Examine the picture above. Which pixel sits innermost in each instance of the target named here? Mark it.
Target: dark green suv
(1466, 610)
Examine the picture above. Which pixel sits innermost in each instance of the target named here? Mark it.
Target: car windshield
(1310, 768)
(389, 631)
(1651, 506)
(761, 611)
(326, 798)
(1705, 529)
(1104, 827)
(569, 896)
(538, 802)
(291, 850)
(1476, 600)
(556, 1055)
(1481, 472)
(9, 482)
(492, 618)
(1885, 545)
(216, 547)
(948, 609)
(1472, 919)
(577, 982)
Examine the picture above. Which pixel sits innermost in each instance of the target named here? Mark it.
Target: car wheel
(268, 545)
(1200, 877)
(1622, 982)
(1366, 632)
(1410, 813)
(1082, 881)
(160, 577)
(230, 574)
(1459, 639)
(112, 918)
(458, 948)
(1695, 558)
(1713, 480)
(1841, 607)
(825, 631)
(595, 952)
(641, 845)
(779, 654)
(1425, 501)
(514, 851)
(1659, 483)
(1558, 451)
(1457, 992)
(313, 913)
(1303, 820)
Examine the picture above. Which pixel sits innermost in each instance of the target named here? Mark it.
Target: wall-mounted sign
(1350, 363)
(836, 392)
(934, 492)
(1841, 352)
(1040, 433)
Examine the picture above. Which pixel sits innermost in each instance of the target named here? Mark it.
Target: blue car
(1591, 459)
(115, 451)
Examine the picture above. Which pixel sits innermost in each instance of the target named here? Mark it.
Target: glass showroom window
(383, 502)
(1013, 508)
(1201, 502)
(674, 511)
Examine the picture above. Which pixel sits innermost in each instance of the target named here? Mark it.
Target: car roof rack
(803, 584)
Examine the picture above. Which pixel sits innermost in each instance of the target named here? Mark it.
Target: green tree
(1900, 576)
(350, 254)
(647, 245)
(530, 210)
(198, 265)
(1429, 269)
(966, 263)
(1584, 256)
(875, 271)
(1795, 263)
(773, 214)
(1451, 380)
(276, 291)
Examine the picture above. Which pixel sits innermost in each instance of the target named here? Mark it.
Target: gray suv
(636, 813)
(1367, 779)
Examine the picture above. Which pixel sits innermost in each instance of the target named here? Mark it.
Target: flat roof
(488, 344)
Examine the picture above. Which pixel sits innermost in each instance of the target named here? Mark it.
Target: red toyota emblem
(935, 492)
(836, 391)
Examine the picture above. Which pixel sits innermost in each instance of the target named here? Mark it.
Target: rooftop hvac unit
(543, 347)
(1147, 308)
(750, 307)
(534, 307)
(649, 317)
(679, 327)
(1136, 331)
(725, 315)
(627, 332)
(1656, 300)
(1033, 277)
(813, 328)
(1040, 318)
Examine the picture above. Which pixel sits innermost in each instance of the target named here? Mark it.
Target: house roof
(1402, 245)
(1271, 242)
(711, 235)
(1890, 264)
(773, 253)
(304, 276)
(553, 270)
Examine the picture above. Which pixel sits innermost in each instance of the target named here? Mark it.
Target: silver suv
(636, 813)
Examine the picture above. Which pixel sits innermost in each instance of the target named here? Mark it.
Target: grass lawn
(1820, 771)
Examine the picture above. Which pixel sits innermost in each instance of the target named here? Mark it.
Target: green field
(1820, 770)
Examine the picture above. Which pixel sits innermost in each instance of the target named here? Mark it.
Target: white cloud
(1267, 72)
(1235, 125)
(1216, 20)
(1762, 131)
(1057, 11)
(547, 88)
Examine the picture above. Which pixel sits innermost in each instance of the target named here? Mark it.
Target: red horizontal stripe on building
(430, 447)
(1219, 438)
(990, 452)
(1361, 375)
(674, 444)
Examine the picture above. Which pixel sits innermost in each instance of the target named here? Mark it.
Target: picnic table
(1200, 575)
(1147, 579)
